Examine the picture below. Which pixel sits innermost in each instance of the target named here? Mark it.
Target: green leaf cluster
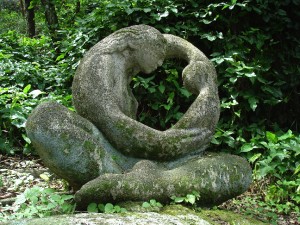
(188, 199)
(168, 100)
(105, 208)
(39, 202)
(152, 203)
(257, 62)
(28, 75)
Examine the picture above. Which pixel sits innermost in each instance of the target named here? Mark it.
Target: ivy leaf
(26, 139)
(185, 92)
(255, 157)
(174, 10)
(265, 170)
(129, 11)
(101, 207)
(50, 206)
(178, 199)
(123, 210)
(49, 190)
(146, 205)
(36, 93)
(20, 199)
(26, 89)
(56, 197)
(271, 137)
(109, 208)
(209, 37)
(287, 135)
(158, 204)
(253, 103)
(191, 199)
(61, 56)
(92, 208)
(165, 14)
(34, 199)
(246, 148)
(45, 177)
(146, 10)
(250, 74)
(151, 89)
(67, 197)
(167, 107)
(297, 170)
(117, 209)
(161, 88)
(153, 202)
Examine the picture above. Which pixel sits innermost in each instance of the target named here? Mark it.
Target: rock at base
(169, 215)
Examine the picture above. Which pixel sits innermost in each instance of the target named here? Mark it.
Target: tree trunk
(30, 19)
(77, 10)
(51, 18)
(23, 10)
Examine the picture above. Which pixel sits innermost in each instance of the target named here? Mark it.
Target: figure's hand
(185, 141)
(193, 76)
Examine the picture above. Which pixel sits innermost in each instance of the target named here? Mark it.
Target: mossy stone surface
(71, 146)
(102, 94)
(169, 215)
(108, 155)
(217, 177)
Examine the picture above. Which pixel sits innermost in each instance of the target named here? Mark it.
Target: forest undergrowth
(253, 44)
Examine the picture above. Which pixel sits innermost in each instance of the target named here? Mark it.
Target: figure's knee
(68, 144)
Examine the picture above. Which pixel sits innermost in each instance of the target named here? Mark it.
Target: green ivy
(28, 75)
(152, 203)
(188, 199)
(38, 202)
(105, 208)
(162, 98)
(257, 62)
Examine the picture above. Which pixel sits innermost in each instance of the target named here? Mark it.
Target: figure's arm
(180, 48)
(195, 128)
(200, 78)
(199, 73)
(138, 140)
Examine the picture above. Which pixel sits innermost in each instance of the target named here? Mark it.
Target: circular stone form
(101, 93)
(105, 154)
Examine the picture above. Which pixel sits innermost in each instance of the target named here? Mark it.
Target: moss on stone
(215, 216)
(89, 146)
(180, 213)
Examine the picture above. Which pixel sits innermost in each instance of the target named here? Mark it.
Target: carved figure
(101, 93)
(130, 160)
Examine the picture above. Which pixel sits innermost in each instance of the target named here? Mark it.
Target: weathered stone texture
(112, 157)
(101, 93)
(216, 176)
(71, 146)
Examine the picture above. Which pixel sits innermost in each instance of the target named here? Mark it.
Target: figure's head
(149, 57)
(146, 46)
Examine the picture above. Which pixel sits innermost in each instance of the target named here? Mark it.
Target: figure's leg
(71, 146)
(216, 177)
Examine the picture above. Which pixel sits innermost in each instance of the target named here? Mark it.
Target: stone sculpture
(105, 154)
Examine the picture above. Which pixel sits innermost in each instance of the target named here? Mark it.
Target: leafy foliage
(105, 208)
(40, 202)
(188, 199)
(11, 19)
(152, 203)
(29, 74)
(169, 100)
(257, 62)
